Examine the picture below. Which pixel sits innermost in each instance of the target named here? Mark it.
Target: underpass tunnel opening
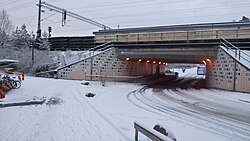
(165, 74)
(186, 70)
(158, 66)
(155, 66)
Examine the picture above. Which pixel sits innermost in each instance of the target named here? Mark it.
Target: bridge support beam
(169, 55)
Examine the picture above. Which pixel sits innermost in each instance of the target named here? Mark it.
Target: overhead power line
(10, 3)
(171, 11)
(240, 5)
(124, 3)
(21, 6)
(177, 10)
(24, 18)
(71, 14)
(183, 17)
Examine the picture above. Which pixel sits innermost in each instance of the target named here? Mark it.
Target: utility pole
(39, 20)
(33, 38)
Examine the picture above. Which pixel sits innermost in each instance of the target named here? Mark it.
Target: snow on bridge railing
(88, 52)
(151, 133)
(240, 55)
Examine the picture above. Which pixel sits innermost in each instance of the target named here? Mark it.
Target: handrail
(229, 43)
(86, 57)
(236, 50)
(95, 47)
(56, 70)
(106, 47)
(100, 46)
(150, 134)
(88, 51)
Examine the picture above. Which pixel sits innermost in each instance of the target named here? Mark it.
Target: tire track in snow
(226, 122)
(238, 115)
(185, 115)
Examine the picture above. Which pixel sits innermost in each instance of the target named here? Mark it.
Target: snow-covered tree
(18, 46)
(43, 43)
(5, 27)
(3, 38)
(21, 37)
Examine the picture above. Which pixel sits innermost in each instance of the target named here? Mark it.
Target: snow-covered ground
(191, 115)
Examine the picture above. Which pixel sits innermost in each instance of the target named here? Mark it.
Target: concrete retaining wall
(106, 65)
(226, 73)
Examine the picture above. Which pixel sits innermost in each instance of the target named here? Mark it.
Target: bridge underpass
(166, 58)
(112, 64)
(166, 44)
(225, 72)
(189, 44)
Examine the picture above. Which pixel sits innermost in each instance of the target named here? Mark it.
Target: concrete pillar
(157, 69)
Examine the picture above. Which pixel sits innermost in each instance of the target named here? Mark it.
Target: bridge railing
(175, 35)
(239, 54)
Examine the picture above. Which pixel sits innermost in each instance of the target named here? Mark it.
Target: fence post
(136, 135)
(239, 54)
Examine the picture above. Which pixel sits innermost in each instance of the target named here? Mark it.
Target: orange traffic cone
(22, 75)
(19, 76)
(3, 90)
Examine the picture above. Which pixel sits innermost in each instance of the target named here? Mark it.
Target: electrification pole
(33, 38)
(39, 20)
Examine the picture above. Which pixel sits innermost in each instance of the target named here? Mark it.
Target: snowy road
(192, 115)
(211, 110)
(224, 117)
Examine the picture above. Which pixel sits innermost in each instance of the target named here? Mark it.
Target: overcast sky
(125, 13)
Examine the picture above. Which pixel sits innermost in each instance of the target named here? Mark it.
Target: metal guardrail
(237, 52)
(145, 132)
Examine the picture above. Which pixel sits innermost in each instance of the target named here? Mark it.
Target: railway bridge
(122, 53)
